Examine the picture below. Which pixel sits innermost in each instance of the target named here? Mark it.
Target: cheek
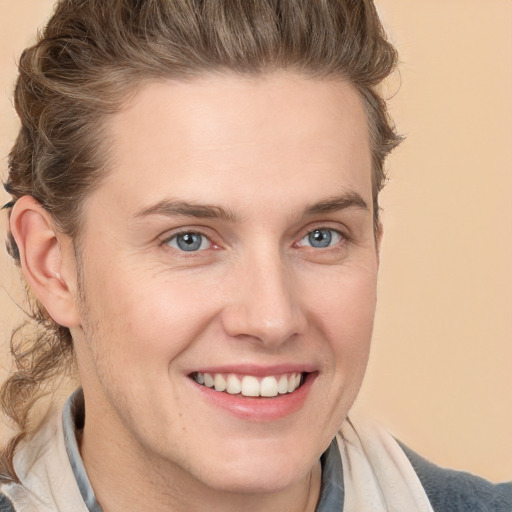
(345, 304)
(345, 313)
(356, 318)
(150, 320)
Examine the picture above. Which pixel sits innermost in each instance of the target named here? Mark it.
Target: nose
(264, 303)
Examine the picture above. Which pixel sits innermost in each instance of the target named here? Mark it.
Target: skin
(272, 153)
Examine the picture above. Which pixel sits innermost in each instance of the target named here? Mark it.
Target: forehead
(259, 136)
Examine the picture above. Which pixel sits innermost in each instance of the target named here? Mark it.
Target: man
(195, 207)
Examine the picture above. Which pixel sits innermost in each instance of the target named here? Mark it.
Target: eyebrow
(170, 208)
(337, 203)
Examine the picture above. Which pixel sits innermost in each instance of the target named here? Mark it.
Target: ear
(47, 260)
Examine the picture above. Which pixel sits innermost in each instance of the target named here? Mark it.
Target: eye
(321, 238)
(189, 241)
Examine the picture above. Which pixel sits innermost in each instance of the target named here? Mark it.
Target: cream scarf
(377, 474)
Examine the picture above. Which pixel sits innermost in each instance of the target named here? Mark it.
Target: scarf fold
(377, 475)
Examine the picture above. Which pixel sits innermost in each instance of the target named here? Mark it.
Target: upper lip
(255, 369)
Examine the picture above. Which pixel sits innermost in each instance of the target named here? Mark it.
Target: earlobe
(43, 260)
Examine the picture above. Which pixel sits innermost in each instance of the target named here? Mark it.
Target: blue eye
(321, 238)
(189, 242)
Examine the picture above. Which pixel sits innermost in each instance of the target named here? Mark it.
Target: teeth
(208, 380)
(293, 382)
(249, 385)
(234, 385)
(219, 382)
(268, 386)
(282, 385)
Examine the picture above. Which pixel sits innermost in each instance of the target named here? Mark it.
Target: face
(228, 274)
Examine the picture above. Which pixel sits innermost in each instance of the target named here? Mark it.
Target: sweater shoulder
(458, 491)
(5, 504)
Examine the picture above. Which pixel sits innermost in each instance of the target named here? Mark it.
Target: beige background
(440, 377)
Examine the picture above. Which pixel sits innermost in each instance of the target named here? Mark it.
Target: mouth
(250, 385)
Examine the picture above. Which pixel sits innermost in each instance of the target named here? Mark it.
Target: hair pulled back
(93, 54)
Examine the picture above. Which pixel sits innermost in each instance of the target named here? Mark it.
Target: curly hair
(93, 55)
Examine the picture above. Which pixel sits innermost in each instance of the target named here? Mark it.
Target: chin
(267, 469)
(268, 478)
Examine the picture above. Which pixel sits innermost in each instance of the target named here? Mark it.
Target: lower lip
(259, 409)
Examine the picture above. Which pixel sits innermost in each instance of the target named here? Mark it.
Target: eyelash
(342, 237)
(167, 241)
(337, 234)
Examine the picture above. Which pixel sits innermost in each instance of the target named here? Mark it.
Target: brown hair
(93, 54)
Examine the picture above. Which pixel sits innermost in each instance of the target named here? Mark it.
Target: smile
(249, 385)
